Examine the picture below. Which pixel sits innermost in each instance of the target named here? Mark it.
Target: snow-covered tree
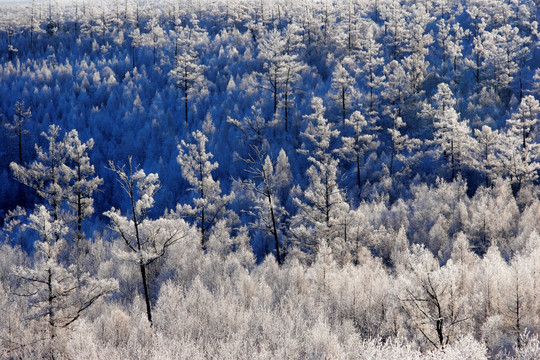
(145, 240)
(370, 55)
(403, 148)
(154, 38)
(431, 297)
(395, 17)
(519, 150)
(523, 121)
(343, 86)
(49, 175)
(362, 141)
(395, 89)
(271, 49)
(84, 181)
(269, 179)
(136, 42)
(485, 145)
(209, 205)
(18, 126)
(253, 127)
(320, 214)
(57, 296)
(34, 22)
(63, 175)
(188, 72)
(504, 51)
(452, 136)
(290, 73)
(282, 68)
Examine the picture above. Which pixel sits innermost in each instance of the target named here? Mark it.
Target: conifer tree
(209, 205)
(17, 126)
(452, 135)
(320, 214)
(56, 294)
(266, 205)
(361, 142)
(145, 240)
(343, 85)
(49, 175)
(403, 148)
(519, 150)
(188, 72)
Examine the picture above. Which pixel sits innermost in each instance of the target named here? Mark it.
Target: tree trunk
(50, 312)
(286, 108)
(358, 174)
(203, 210)
(19, 135)
(453, 160)
(186, 94)
(141, 265)
(343, 104)
(274, 228)
(146, 294)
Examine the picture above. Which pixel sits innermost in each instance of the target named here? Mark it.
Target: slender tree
(49, 175)
(323, 206)
(209, 205)
(145, 240)
(17, 126)
(356, 146)
(188, 73)
(266, 207)
(343, 85)
(56, 294)
(84, 182)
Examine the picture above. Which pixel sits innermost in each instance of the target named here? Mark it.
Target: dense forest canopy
(270, 179)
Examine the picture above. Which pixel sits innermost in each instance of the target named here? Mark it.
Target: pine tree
(253, 127)
(154, 38)
(136, 41)
(271, 50)
(396, 89)
(370, 55)
(83, 184)
(523, 121)
(485, 145)
(504, 51)
(289, 76)
(402, 147)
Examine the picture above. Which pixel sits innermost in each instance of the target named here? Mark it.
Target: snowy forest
(270, 179)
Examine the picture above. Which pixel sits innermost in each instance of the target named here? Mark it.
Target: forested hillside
(270, 179)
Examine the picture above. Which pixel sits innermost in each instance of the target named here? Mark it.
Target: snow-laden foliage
(305, 179)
